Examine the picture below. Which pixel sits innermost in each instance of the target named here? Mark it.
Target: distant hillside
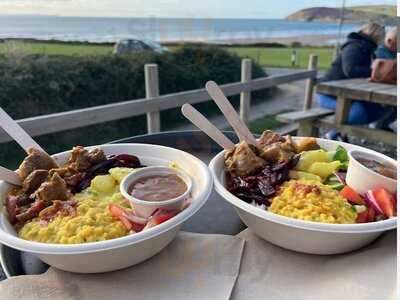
(379, 13)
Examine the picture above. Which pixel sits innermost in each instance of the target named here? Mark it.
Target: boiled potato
(309, 157)
(324, 169)
(120, 173)
(104, 184)
(304, 175)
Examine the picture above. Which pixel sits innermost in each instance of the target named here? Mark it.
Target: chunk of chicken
(242, 160)
(79, 159)
(276, 148)
(53, 189)
(32, 212)
(65, 208)
(62, 171)
(36, 160)
(96, 156)
(34, 180)
(271, 153)
(269, 137)
(307, 144)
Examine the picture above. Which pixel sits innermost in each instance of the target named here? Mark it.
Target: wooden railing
(154, 103)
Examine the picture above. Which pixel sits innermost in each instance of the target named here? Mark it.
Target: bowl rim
(378, 226)
(92, 247)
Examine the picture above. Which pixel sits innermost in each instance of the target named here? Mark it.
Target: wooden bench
(309, 121)
(359, 131)
(305, 120)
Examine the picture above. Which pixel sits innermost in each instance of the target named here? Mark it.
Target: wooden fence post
(312, 65)
(152, 90)
(245, 97)
(294, 58)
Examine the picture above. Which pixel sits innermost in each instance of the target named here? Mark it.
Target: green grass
(275, 57)
(281, 57)
(20, 47)
(389, 10)
(267, 122)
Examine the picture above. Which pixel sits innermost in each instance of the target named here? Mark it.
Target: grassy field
(281, 57)
(276, 57)
(390, 10)
(20, 47)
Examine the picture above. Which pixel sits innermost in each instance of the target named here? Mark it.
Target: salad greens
(340, 154)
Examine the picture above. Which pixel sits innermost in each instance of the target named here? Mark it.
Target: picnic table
(363, 90)
(310, 119)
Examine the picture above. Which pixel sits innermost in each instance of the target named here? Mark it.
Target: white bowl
(299, 235)
(125, 251)
(370, 179)
(144, 208)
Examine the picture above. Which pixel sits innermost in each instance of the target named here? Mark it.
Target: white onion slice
(133, 218)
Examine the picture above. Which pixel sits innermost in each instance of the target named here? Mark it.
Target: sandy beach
(304, 40)
(309, 40)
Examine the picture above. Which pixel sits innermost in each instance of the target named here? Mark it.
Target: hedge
(36, 85)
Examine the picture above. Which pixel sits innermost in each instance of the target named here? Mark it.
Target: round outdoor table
(216, 216)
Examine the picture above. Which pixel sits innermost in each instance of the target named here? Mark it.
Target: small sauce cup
(145, 208)
(361, 178)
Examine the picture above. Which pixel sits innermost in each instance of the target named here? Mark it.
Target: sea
(94, 29)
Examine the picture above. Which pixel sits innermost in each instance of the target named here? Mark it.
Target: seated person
(354, 61)
(388, 50)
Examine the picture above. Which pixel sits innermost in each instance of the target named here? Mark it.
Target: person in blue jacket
(354, 61)
(388, 50)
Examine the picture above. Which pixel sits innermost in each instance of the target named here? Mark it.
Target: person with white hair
(388, 50)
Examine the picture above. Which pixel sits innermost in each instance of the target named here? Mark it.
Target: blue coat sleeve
(384, 53)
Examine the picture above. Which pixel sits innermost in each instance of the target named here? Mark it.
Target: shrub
(36, 85)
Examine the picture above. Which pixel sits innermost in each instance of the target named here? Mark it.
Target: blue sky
(171, 8)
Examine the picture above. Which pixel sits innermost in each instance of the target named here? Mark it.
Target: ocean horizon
(111, 29)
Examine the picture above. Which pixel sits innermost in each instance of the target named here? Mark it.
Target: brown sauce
(158, 187)
(380, 168)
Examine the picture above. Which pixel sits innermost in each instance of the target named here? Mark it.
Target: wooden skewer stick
(230, 113)
(204, 125)
(10, 176)
(17, 133)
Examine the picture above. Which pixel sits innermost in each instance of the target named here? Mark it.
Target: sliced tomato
(137, 227)
(371, 215)
(164, 215)
(160, 216)
(362, 217)
(351, 195)
(385, 201)
(118, 212)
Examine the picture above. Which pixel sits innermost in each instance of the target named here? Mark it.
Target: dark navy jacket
(354, 60)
